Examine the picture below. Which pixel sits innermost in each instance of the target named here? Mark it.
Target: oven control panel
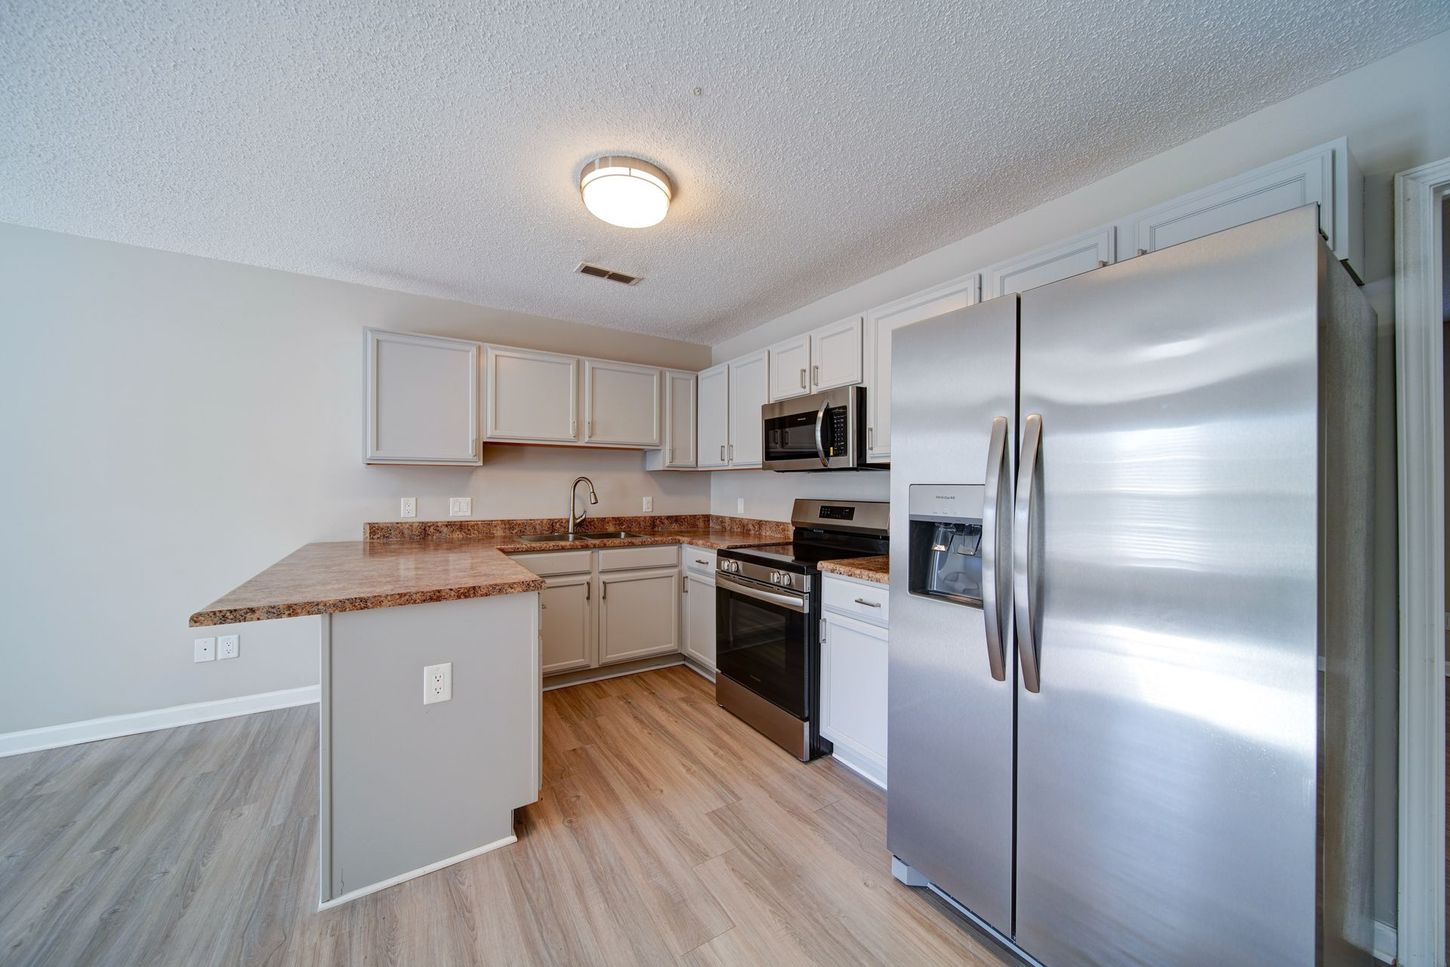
(764, 574)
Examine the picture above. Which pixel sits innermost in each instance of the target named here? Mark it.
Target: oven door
(763, 641)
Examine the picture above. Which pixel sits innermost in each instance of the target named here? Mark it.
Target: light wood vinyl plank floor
(668, 832)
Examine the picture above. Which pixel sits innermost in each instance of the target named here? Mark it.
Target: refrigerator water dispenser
(945, 558)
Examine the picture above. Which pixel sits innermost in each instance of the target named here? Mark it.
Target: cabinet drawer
(869, 602)
(620, 558)
(544, 563)
(700, 560)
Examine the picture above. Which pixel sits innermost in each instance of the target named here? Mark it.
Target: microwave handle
(820, 443)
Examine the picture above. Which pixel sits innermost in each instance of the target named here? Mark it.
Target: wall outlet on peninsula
(203, 649)
(438, 683)
(408, 507)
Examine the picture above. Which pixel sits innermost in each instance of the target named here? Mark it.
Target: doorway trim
(1420, 394)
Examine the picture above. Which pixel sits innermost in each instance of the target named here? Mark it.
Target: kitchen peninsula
(411, 781)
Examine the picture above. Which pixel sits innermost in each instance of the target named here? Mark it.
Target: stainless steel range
(768, 606)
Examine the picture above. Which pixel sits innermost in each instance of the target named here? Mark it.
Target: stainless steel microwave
(822, 431)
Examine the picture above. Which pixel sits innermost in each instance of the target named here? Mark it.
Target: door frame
(1419, 200)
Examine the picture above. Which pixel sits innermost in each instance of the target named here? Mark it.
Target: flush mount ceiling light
(625, 191)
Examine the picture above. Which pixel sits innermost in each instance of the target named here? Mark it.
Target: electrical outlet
(739, 505)
(649, 505)
(460, 506)
(408, 507)
(438, 683)
(228, 646)
(203, 649)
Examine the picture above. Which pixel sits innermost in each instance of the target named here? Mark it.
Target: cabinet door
(879, 325)
(1324, 175)
(565, 629)
(638, 614)
(532, 396)
(714, 422)
(836, 354)
(853, 693)
(790, 368)
(422, 399)
(678, 451)
(621, 404)
(1091, 250)
(748, 391)
(699, 603)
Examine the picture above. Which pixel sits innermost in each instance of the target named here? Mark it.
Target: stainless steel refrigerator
(1130, 608)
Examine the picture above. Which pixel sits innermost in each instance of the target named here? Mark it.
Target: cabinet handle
(684, 584)
(701, 560)
(603, 590)
(588, 427)
(732, 451)
(803, 378)
(722, 453)
(586, 590)
(815, 376)
(869, 604)
(870, 436)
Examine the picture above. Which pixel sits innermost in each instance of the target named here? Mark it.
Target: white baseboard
(859, 762)
(112, 726)
(413, 874)
(1386, 942)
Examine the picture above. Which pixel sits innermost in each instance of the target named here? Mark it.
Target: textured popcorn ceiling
(435, 147)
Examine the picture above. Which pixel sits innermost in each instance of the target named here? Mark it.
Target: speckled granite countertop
(464, 561)
(875, 569)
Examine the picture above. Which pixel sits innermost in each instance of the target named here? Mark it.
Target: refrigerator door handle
(995, 515)
(1024, 579)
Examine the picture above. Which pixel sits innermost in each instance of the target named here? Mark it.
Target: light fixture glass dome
(624, 191)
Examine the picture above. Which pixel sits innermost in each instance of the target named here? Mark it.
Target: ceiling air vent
(599, 272)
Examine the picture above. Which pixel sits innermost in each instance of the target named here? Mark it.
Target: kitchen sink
(578, 536)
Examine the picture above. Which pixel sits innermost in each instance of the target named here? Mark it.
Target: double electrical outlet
(438, 683)
(210, 649)
(457, 507)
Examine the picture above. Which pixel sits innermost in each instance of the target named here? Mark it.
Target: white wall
(173, 425)
(1396, 115)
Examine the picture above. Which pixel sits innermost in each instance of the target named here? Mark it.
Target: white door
(1091, 250)
(422, 399)
(880, 323)
(638, 614)
(565, 630)
(679, 419)
(621, 404)
(699, 602)
(836, 354)
(532, 396)
(853, 692)
(713, 395)
(748, 392)
(790, 368)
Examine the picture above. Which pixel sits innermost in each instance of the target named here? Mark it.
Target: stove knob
(774, 577)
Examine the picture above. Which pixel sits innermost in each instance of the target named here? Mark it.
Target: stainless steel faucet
(569, 517)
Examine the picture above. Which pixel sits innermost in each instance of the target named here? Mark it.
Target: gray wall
(174, 425)
(1395, 115)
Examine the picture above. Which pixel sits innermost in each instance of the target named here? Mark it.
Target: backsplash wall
(769, 494)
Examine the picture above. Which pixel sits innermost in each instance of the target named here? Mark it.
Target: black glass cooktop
(803, 556)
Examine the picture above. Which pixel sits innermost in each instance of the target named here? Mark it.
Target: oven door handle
(790, 602)
(820, 442)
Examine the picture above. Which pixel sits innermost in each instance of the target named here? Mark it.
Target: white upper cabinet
(678, 449)
(1091, 250)
(532, 396)
(1325, 175)
(836, 354)
(749, 391)
(790, 368)
(621, 404)
(422, 400)
(879, 324)
(713, 395)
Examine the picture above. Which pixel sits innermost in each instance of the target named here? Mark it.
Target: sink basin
(578, 536)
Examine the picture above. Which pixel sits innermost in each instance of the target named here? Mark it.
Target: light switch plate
(460, 506)
(203, 649)
(228, 646)
(649, 504)
(438, 683)
(408, 507)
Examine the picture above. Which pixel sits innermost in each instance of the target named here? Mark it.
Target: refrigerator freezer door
(949, 729)
(1166, 768)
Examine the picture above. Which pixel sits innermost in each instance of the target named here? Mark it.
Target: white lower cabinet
(565, 627)
(853, 688)
(639, 614)
(699, 621)
(606, 606)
